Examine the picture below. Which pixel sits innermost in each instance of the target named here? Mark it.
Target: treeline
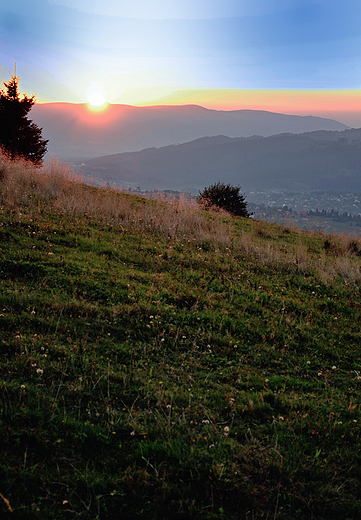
(335, 216)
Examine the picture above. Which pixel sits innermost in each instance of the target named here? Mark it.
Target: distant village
(323, 210)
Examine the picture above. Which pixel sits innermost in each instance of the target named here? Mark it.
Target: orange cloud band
(324, 103)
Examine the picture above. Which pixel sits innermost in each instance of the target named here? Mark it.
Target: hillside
(162, 362)
(287, 162)
(76, 132)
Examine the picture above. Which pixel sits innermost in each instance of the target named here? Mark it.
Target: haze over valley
(74, 131)
(320, 160)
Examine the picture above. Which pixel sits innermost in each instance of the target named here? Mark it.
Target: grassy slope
(158, 362)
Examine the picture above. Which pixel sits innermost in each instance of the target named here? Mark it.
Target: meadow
(163, 362)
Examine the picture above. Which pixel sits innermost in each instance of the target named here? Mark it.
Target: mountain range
(320, 160)
(76, 132)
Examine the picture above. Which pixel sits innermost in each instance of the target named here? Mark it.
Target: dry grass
(57, 188)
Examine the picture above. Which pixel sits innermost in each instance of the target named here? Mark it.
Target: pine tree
(19, 137)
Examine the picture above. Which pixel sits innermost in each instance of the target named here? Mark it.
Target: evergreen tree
(19, 137)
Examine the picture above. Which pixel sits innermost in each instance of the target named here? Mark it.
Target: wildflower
(280, 418)
(319, 374)
(132, 433)
(22, 387)
(39, 370)
(334, 367)
(226, 431)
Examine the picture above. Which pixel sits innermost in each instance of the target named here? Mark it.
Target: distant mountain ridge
(76, 132)
(319, 160)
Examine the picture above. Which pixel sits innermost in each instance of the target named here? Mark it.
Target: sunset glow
(286, 56)
(342, 105)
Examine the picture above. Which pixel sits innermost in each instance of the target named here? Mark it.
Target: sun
(96, 99)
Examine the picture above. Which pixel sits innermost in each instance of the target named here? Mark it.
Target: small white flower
(334, 367)
(132, 433)
(39, 370)
(22, 387)
(280, 418)
(226, 431)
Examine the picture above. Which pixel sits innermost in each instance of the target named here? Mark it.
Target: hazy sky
(144, 51)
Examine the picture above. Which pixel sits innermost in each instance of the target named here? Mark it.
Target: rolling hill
(319, 160)
(162, 362)
(74, 131)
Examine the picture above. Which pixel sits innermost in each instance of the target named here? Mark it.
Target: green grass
(159, 362)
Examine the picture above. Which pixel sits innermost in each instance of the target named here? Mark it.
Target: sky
(289, 56)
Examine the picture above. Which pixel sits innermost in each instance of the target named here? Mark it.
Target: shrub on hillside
(225, 196)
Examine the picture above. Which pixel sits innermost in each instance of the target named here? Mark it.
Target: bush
(224, 196)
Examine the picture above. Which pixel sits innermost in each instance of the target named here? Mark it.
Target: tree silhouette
(224, 196)
(19, 137)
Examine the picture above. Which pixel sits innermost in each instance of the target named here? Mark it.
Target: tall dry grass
(57, 188)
